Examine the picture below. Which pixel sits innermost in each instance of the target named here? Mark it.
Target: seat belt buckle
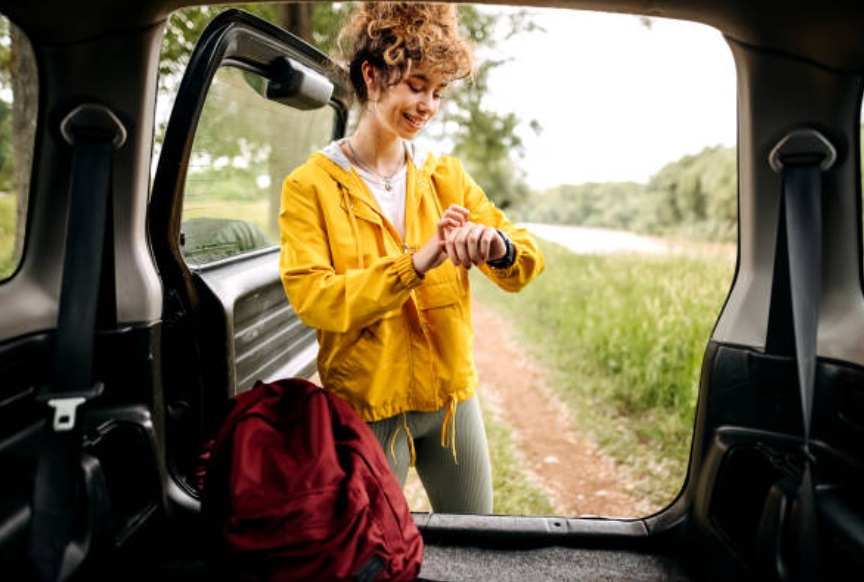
(65, 405)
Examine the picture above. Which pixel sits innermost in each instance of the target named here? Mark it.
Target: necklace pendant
(387, 185)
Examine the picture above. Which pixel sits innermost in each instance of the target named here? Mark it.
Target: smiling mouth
(416, 122)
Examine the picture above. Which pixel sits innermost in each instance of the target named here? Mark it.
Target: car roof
(825, 31)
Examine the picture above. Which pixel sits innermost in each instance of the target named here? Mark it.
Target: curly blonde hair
(393, 36)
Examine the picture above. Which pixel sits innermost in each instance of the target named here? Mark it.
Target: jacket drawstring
(408, 436)
(355, 228)
(448, 428)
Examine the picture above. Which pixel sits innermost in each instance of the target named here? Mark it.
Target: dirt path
(579, 479)
(576, 476)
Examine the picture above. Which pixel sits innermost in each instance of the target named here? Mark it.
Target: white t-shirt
(391, 200)
(390, 195)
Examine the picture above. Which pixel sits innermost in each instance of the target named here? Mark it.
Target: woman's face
(405, 108)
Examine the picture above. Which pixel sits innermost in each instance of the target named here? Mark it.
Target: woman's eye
(415, 88)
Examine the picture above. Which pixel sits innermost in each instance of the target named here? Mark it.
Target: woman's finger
(457, 245)
(475, 244)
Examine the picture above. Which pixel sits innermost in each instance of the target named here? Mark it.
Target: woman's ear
(370, 77)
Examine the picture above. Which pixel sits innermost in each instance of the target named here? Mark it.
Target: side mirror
(293, 84)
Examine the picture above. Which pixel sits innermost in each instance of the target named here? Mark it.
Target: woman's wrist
(416, 261)
(509, 257)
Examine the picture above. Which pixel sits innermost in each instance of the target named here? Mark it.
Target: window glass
(244, 146)
(18, 99)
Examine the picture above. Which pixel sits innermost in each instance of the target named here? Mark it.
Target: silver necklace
(387, 180)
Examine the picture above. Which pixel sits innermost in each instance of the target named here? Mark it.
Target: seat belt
(94, 132)
(801, 158)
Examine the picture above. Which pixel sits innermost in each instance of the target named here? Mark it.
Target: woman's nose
(427, 103)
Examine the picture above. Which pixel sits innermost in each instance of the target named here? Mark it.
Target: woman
(377, 240)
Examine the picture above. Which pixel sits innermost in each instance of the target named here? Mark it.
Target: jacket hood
(419, 153)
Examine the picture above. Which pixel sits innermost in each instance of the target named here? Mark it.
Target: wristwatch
(509, 257)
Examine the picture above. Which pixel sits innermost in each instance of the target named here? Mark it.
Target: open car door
(254, 102)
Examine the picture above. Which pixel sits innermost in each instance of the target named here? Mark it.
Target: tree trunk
(296, 18)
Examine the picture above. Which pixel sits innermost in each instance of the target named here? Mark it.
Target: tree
(697, 194)
(17, 121)
(485, 140)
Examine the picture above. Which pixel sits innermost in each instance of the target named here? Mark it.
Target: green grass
(622, 337)
(8, 220)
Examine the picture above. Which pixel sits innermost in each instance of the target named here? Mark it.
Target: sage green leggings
(460, 485)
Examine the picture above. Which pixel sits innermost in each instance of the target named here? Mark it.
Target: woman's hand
(472, 244)
(433, 252)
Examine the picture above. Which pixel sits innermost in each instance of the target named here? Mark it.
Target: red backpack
(298, 488)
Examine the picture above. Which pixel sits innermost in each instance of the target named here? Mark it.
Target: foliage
(327, 19)
(12, 194)
(485, 140)
(5, 53)
(182, 31)
(624, 336)
(185, 26)
(696, 196)
(610, 204)
(7, 235)
(219, 150)
(7, 155)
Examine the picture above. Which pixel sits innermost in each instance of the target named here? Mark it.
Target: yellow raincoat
(389, 341)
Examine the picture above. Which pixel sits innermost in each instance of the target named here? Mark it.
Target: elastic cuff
(406, 272)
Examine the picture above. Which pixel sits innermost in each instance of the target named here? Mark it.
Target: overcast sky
(617, 100)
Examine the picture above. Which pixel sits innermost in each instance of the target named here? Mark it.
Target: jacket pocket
(442, 286)
(355, 355)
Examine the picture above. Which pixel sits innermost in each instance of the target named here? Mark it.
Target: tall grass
(622, 337)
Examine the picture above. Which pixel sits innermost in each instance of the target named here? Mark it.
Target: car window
(244, 147)
(18, 90)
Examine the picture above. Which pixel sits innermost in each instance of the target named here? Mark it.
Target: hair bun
(394, 35)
